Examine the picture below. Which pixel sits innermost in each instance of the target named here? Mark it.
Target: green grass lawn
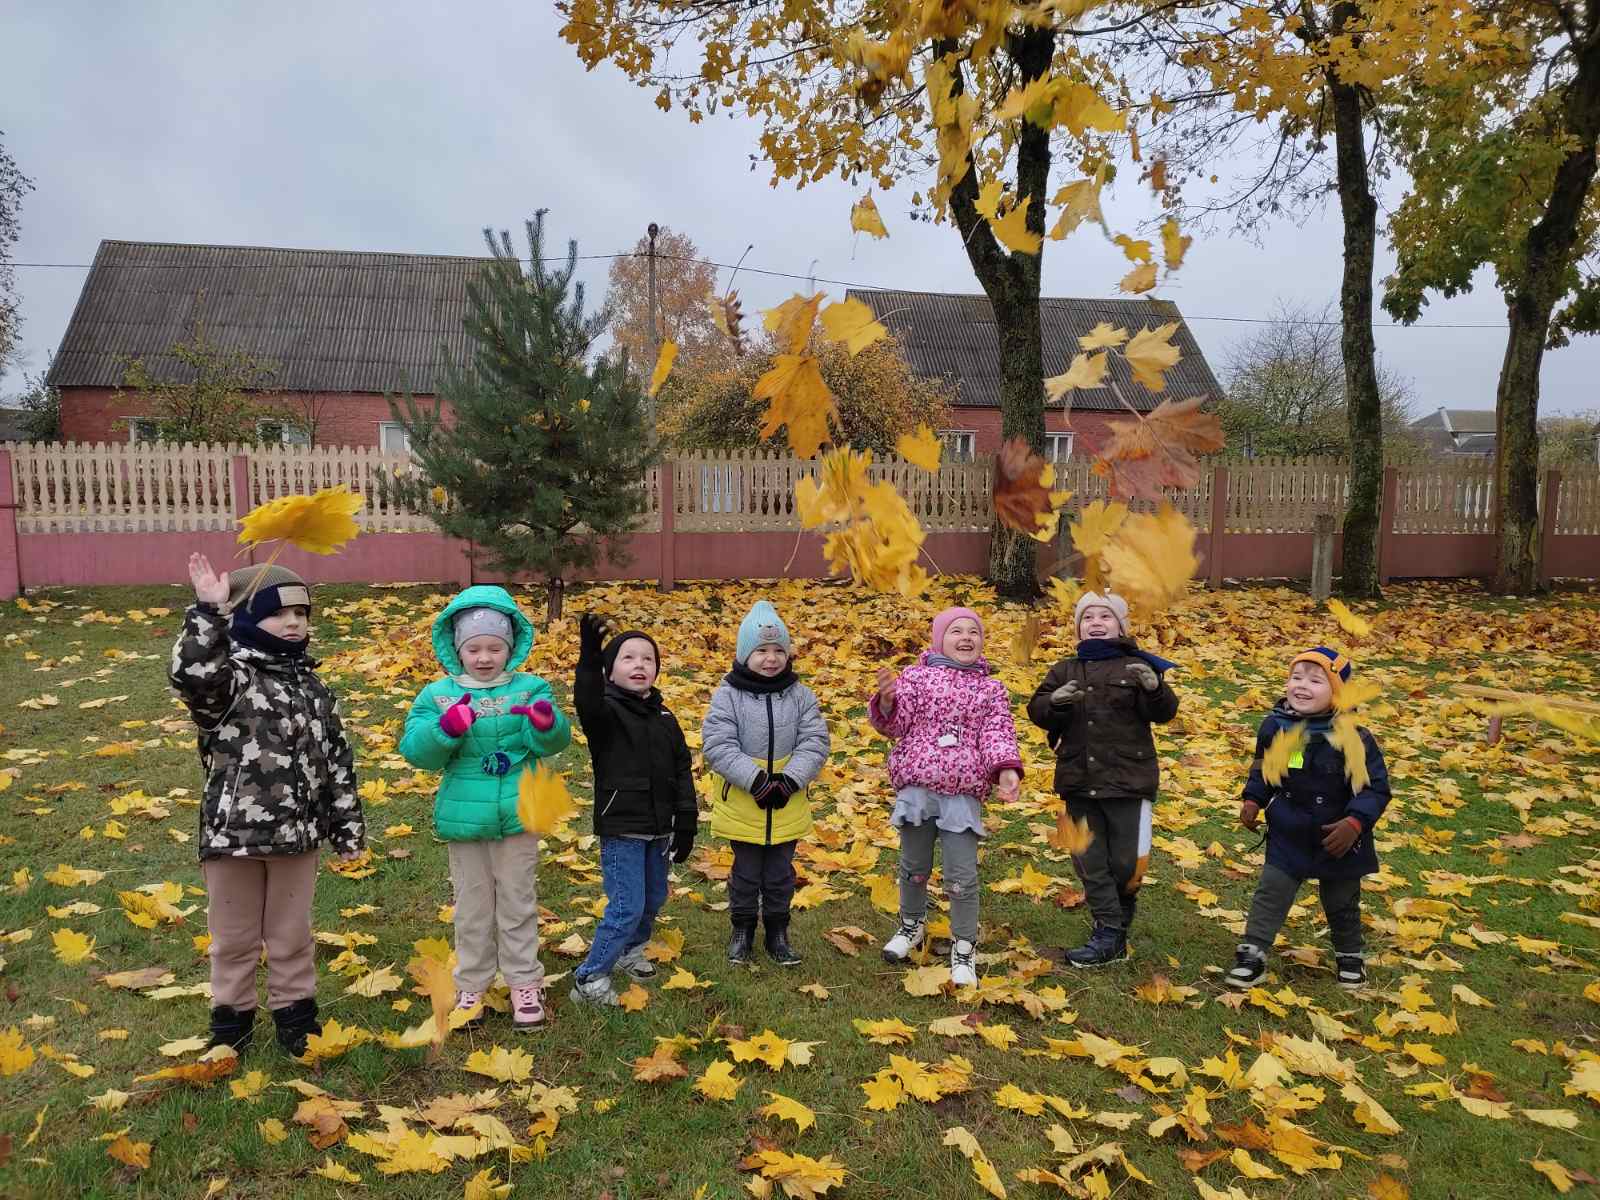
(1491, 881)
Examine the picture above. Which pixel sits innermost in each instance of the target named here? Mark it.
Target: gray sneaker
(636, 964)
(595, 990)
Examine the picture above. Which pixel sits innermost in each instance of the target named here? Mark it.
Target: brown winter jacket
(1103, 744)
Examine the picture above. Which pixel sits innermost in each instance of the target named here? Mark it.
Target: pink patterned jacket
(931, 701)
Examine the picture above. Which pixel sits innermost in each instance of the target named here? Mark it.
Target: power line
(745, 269)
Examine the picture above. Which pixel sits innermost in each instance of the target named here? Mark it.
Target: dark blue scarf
(1100, 649)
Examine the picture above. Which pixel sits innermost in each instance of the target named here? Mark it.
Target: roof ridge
(109, 242)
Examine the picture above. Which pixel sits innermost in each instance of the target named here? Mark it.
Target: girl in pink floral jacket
(955, 741)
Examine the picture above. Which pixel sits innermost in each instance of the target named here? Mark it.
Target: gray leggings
(960, 875)
(1341, 904)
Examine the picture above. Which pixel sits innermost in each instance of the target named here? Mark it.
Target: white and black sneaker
(636, 965)
(907, 938)
(1249, 965)
(596, 990)
(1352, 972)
(962, 957)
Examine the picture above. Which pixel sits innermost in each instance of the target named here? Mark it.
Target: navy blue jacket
(1313, 794)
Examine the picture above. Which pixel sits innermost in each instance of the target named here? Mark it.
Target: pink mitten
(540, 713)
(458, 717)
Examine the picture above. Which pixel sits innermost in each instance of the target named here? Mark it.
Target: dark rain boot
(742, 942)
(296, 1022)
(232, 1027)
(1105, 945)
(778, 941)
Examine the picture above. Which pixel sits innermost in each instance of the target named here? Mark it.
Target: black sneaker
(1249, 965)
(1105, 945)
(1352, 972)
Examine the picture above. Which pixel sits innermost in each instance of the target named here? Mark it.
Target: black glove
(682, 843)
(783, 790)
(591, 636)
(759, 787)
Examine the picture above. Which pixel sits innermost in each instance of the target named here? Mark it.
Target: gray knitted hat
(274, 585)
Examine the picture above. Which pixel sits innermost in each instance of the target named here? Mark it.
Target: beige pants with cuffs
(497, 912)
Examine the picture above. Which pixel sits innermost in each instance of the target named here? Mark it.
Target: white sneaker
(962, 972)
(636, 964)
(595, 990)
(906, 939)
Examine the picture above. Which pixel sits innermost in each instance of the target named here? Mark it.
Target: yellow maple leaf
(1352, 624)
(1103, 336)
(1079, 201)
(411, 1153)
(887, 1032)
(1150, 353)
(485, 1185)
(1173, 244)
(1151, 560)
(1086, 371)
(249, 1086)
(718, 1082)
(1001, 1037)
(1559, 1177)
(72, 947)
(320, 523)
(961, 1138)
(1555, 1118)
(1387, 1187)
(922, 448)
(1012, 230)
(1345, 737)
(798, 398)
(784, 1108)
(508, 1066)
(65, 876)
(685, 981)
(374, 984)
(336, 1172)
(1285, 745)
(884, 1092)
(542, 800)
(1140, 279)
(660, 1064)
(1071, 835)
(851, 322)
(1134, 251)
(272, 1131)
(800, 1176)
(1368, 1113)
(633, 999)
(1097, 523)
(864, 217)
(665, 357)
(766, 1047)
(791, 322)
(129, 1153)
(16, 1055)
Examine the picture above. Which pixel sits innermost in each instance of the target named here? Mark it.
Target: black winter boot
(1104, 945)
(778, 941)
(741, 943)
(296, 1022)
(232, 1027)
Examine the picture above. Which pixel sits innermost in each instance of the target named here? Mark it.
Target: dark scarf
(248, 633)
(746, 680)
(649, 702)
(1317, 724)
(1100, 649)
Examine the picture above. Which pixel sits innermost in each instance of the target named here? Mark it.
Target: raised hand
(1144, 674)
(888, 685)
(209, 587)
(591, 634)
(458, 717)
(541, 714)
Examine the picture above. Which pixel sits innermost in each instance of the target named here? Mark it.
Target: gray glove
(1067, 694)
(1145, 675)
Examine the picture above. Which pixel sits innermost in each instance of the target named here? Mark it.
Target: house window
(1058, 447)
(959, 444)
(143, 429)
(393, 438)
(281, 433)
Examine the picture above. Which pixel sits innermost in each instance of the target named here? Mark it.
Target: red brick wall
(985, 422)
(95, 414)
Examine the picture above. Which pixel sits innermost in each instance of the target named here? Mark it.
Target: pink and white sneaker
(467, 1001)
(527, 1008)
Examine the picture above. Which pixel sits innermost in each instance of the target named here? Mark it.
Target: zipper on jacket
(610, 802)
(771, 740)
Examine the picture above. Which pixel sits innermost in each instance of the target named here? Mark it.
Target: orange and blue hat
(1335, 665)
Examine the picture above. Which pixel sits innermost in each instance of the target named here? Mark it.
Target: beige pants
(255, 902)
(497, 911)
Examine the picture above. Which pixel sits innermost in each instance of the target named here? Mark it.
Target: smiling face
(292, 624)
(484, 657)
(1098, 622)
(963, 641)
(1309, 691)
(635, 668)
(768, 659)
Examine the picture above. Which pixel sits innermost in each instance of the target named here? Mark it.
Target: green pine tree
(543, 460)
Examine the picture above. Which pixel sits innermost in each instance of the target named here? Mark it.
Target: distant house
(343, 327)
(1465, 431)
(951, 338)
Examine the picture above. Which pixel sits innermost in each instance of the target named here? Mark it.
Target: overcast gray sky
(409, 126)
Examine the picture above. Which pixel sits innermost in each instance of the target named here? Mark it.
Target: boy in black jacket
(644, 799)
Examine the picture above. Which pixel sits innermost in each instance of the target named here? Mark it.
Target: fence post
(1388, 510)
(239, 469)
(1321, 556)
(1547, 523)
(666, 476)
(10, 546)
(1219, 526)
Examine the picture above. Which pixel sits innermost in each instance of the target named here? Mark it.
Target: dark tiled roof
(1461, 420)
(332, 320)
(952, 337)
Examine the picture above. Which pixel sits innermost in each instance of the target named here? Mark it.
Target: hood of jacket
(480, 596)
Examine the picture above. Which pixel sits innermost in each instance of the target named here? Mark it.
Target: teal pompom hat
(761, 625)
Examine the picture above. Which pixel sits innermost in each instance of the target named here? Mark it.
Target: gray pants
(761, 882)
(960, 875)
(1113, 865)
(1341, 901)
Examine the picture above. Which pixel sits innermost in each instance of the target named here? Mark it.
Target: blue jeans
(633, 873)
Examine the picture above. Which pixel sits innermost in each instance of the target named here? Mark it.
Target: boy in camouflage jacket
(280, 781)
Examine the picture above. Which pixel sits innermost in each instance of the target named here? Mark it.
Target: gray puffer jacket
(739, 741)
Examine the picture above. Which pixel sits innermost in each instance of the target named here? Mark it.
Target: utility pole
(655, 328)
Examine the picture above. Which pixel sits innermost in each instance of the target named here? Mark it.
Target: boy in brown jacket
(1098, 707)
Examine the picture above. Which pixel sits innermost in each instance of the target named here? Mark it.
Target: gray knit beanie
(482, 622)
(270, 588)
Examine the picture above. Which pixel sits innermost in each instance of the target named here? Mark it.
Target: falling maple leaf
(1012, 230)
(1086, 371)
(1286, 745)
(667, 355)
(542, 800)
(319, 524)
(1348, 621)
(1071, 835)
(922, 448)
(1152, 559)
(1139, 280)
(1147, 453)
(864, 217)
(852, 323)
(1174, 245)
(791, 322)
(1150, 354)
(1022, 496)
(728, 316)
(797, 398)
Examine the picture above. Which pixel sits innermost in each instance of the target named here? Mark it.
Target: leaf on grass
(887, 1032)
(659, 1065)
(988, 1178)
(685, 981)
(508, 1066)
(71, 946)
(718, 1082)
(784, 1108)
(130, 1153)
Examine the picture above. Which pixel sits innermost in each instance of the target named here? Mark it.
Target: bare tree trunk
(555, 597)
(1363, 404)
(1546, 256)
(1011, 281)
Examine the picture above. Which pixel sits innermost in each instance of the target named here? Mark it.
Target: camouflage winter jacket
(280, 776)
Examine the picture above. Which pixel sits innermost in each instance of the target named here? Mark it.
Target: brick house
(343, 328)
(951, 337)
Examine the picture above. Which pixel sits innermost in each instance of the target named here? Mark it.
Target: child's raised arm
(551, 738)
(200, 670)
(1048, 709)
(589, 680)
(426, 742)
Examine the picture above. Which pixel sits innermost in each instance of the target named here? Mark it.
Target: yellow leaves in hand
(922, 448)
(718, 1081)
(319, 523)
(667, 355)
(864, 217)
(542, 800)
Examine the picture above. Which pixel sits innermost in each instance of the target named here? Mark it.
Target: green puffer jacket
(477, 798)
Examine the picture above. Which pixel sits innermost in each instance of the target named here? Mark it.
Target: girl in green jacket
(479, 726)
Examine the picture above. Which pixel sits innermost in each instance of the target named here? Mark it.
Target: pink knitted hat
(948, 617)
